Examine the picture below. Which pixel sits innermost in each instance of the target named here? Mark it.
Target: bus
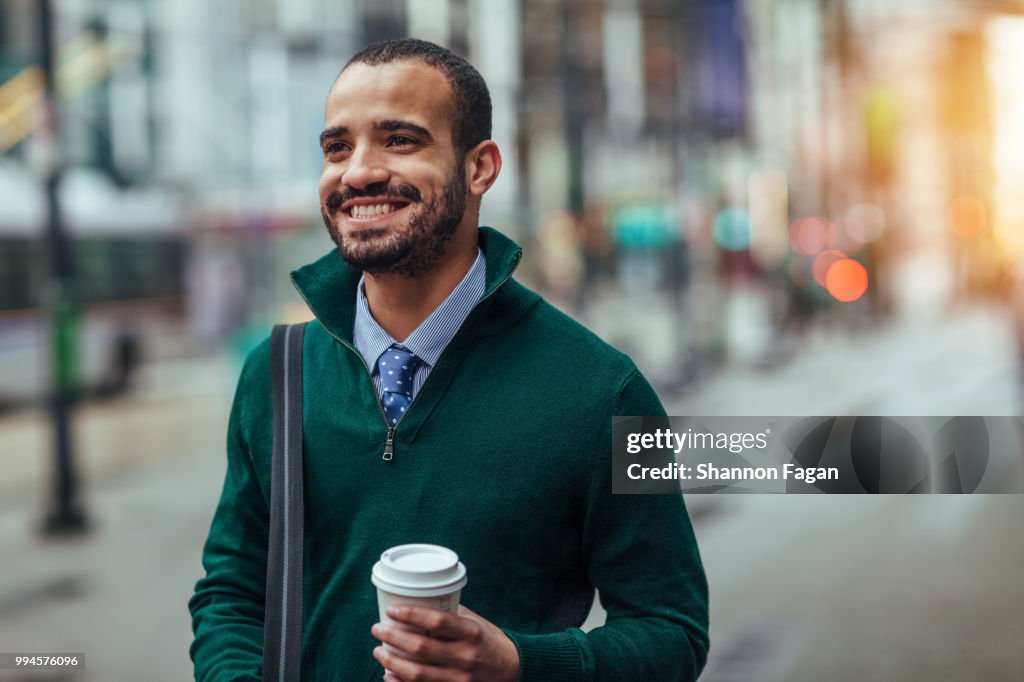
(129, 252)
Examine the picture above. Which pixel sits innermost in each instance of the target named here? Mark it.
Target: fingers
(412, 671)
(439, 624)
(414, 646)
(427, 645)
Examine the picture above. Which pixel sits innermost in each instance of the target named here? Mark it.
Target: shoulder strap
(282, 631)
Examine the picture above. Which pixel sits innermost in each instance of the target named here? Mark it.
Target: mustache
(380, 190)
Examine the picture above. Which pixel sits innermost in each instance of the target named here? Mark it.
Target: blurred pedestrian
(493, 436)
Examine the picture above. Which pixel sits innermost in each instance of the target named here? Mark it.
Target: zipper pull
(389, 446)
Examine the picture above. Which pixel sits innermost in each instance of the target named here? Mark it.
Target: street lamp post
(64, 514)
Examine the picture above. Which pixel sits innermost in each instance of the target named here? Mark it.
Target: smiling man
(497, 445)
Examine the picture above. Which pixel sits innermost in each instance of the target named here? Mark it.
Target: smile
(372, 210)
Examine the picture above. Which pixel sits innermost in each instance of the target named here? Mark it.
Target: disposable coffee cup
(418, 575)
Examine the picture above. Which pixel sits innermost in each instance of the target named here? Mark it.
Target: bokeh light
(846, 280)
(842, 235)
(866, 222)
(808, 236)
(732, 229)
(967, 216)
(823, 262)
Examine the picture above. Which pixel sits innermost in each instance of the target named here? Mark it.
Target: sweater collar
(328, 285)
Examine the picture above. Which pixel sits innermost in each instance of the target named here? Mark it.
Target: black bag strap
(282, 623)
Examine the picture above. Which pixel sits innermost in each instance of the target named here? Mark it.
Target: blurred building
(664, 149)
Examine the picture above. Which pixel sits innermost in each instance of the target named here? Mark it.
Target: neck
(400, 304)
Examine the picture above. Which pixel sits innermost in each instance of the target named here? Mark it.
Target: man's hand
(455, 648)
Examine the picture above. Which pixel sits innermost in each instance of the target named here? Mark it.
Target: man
(500, 450)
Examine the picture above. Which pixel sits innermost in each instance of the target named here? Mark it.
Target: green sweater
(504, 456)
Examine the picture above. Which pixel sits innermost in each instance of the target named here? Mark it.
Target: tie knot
(397, 366)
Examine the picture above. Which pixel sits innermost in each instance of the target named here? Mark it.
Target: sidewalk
(119, 594)
(958, 364)
(810, 588)
(152, 466)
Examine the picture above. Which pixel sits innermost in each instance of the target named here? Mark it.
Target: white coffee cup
(418, 575)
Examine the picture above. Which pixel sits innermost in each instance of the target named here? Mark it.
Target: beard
(407, 251)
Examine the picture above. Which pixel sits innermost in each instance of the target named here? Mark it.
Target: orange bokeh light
(846, 280)
(808, 236)
(966, 216)
(823, 261)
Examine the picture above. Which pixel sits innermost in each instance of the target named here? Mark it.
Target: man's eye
(335, 148)
(401, 141)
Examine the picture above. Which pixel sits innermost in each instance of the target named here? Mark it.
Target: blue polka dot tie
(397, 367)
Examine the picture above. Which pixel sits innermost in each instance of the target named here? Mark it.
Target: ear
(483, 163)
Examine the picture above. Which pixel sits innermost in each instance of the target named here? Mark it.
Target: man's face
(392, 192)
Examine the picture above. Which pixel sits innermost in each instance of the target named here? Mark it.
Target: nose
(365, 167)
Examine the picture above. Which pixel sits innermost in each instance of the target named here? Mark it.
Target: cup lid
(419, 568)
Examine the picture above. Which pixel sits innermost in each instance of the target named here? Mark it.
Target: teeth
(366, 211)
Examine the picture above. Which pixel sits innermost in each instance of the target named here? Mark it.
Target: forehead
(402, 90)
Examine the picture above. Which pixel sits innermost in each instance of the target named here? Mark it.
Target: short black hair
(470, 98)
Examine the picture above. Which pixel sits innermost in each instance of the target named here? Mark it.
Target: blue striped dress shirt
(429, 339)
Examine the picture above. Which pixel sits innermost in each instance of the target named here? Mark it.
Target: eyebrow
(330, 133)
(390, 125)
(393, 125)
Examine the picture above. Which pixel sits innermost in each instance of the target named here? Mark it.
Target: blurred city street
(775, 207)
(927, 587)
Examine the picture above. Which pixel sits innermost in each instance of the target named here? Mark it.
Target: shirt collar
(328, 286)
(429, 339)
